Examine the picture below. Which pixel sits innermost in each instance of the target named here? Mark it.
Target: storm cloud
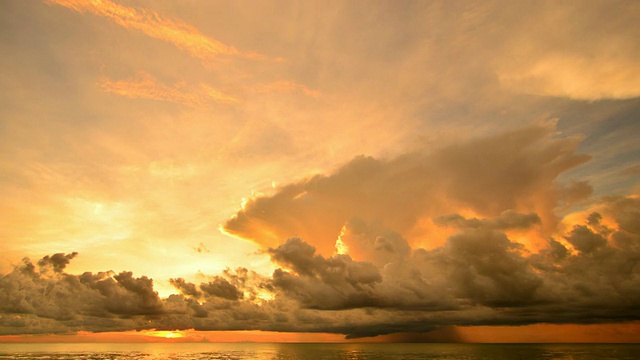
(397, 168)
(366, 269)
(478, 277)
(506, 172)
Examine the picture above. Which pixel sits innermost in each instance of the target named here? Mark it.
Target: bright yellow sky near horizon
(413, 149)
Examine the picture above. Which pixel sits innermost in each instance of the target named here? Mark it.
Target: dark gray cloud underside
(479, 277)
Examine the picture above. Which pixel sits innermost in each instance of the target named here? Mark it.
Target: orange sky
(306, 172)
(539, 333)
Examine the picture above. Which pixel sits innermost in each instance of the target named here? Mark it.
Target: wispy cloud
(575, 77)
(286, 86)
(147, 87)
(178, 33)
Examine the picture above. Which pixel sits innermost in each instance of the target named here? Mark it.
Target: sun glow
(172, 334)
(341, 247)
(264, 296)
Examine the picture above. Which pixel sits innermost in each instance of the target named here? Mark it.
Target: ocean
(273, 351)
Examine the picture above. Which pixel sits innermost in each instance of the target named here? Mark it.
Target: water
(262, 351)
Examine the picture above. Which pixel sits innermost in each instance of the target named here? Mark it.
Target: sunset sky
(319, 170)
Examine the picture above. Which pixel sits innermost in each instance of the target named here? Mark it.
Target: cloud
(369, 241)
(584, 240)
(582, 51)
(180, 34)
(474, 268)
(486, 267)
(509, 219)
(285, 86)
(35, 291)
(144, 86)
(430, 237)
(316, 282)
(514, 171)
(185, 287)
(479, 276)
(576, 77)
(220, 287)
(57, 261)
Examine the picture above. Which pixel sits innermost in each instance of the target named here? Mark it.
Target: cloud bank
(478, 277)
(481, 201)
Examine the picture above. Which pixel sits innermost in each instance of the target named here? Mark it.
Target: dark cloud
(626, 211)
(477, 267)
(316, 282)
(231, 285)
(486, 268)
(509, 219)
(185, 287)
(383, 284)
(70, 299)
(584, 240)
(221, 288)
(478, 277)
(219, 291)
(57, 262)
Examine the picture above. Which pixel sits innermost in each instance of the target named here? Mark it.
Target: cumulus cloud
(474, 268)
(511, 171)
(316, 282)
(372, 242)
(221, 288)
(57, 261)
(185, 287)
(34, 293)
(509, 219)
(479, 276)
(479, 197)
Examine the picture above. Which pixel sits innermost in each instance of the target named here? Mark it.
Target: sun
(172, 334)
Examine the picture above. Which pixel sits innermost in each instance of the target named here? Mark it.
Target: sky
(320, 170)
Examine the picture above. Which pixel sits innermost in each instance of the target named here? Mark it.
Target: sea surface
(267, 351)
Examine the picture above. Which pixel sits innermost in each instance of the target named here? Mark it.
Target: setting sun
(169, 334)
(172, 334)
